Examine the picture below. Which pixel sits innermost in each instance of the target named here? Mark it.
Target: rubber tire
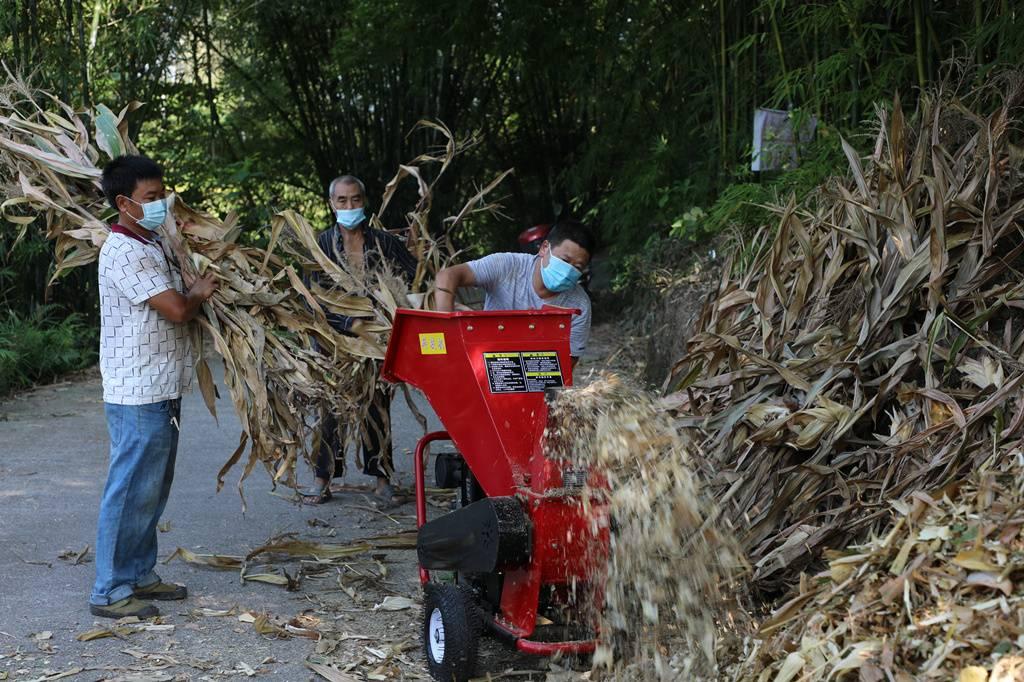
(460, 618)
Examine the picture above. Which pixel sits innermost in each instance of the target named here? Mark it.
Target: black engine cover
(490, 535)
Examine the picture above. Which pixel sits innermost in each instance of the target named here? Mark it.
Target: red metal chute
(485, 374)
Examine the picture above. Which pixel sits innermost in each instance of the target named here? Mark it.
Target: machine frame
(486, 373)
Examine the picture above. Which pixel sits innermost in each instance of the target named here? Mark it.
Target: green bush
(39, 347)
(741, 204)
(738, 210)
(657, 262)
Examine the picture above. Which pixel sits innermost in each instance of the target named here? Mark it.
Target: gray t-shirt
(507, 279)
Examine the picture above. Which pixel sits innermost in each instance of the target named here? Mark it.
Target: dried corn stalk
(872, 345)
(262, 319)
(936, 596)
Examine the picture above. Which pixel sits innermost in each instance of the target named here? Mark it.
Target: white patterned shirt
(144, 357)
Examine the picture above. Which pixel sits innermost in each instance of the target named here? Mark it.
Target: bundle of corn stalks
(868, 345)
(263, 320)
(937, 596)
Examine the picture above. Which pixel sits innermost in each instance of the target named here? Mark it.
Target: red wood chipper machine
(519, 551)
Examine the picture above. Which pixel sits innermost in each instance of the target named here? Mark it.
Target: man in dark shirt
(356, 246)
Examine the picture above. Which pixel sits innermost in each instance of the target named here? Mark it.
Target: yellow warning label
(543, 374)
(501, 355)
(433, 344)
(539, 354)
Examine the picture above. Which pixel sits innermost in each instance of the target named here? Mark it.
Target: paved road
(53, 458)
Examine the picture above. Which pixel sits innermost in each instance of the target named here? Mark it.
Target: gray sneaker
(315, 494)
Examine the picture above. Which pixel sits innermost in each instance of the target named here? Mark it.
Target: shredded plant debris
(669, 553)
(937, 595)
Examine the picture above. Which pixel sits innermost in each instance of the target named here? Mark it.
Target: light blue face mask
(350, 218)
(558, 275)
(153, 213)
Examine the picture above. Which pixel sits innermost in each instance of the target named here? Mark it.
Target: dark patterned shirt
(378, 248)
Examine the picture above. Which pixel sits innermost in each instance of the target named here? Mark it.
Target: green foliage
(630, 113)
(43, 346)
(739, 209)
(744, 202)
(656, 264)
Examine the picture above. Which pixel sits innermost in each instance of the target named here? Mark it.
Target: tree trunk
(815, 93)
(94, 30)
(211, 100)
(1004, 14)
(735, 81)
(979, 47)
(15, 23)
(782, 58)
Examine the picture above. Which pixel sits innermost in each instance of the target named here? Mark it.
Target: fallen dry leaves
(937, 595)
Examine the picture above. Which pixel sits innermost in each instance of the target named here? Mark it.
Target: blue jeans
(143, 445)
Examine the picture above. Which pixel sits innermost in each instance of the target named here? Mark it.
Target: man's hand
(177, 308)
(203, 287)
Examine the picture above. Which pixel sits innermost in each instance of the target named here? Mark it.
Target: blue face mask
(559, 275)
(349, 218)
(153, 213)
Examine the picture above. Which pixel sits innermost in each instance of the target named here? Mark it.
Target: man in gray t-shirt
(520, 281)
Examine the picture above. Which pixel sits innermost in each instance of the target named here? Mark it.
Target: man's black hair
(574, 231)
(122, 174)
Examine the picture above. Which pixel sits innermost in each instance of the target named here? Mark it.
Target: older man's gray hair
(346, 180)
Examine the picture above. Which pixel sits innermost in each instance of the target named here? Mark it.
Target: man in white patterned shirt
(146, 362)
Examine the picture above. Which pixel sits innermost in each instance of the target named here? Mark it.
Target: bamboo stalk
(919, 48)
(782, 55)
(723, 139)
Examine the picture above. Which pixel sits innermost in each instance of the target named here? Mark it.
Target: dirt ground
(358, 613)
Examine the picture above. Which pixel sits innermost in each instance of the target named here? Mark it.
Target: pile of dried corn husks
(669, 555)
(263, 317)
(870, 344)
(937, 596)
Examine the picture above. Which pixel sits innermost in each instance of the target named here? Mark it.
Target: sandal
(316, 494)
(387, 499)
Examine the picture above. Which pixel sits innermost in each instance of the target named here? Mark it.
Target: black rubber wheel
(451, 632)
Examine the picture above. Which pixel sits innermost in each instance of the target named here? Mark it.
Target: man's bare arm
(448, 282)
(178, 307)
